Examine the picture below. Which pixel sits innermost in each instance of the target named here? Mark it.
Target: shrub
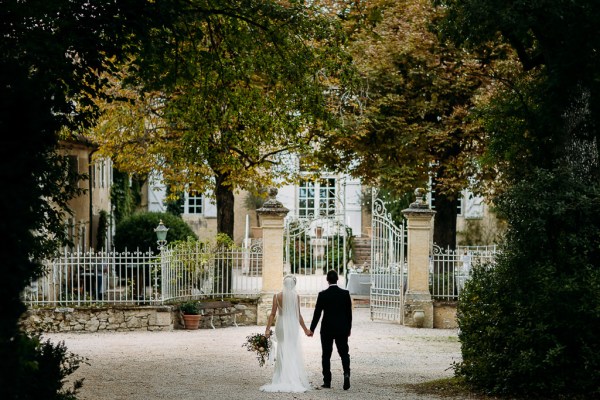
(190, 308)
(39, 370)
(528, 326)
(137, 231)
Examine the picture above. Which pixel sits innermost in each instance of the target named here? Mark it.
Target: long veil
(290, 374)
(289, 311)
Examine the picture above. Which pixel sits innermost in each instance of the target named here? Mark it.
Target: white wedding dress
(290, 374)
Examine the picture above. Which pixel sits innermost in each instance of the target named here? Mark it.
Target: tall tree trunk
(225, 218)
(225, 206)
(444, 231)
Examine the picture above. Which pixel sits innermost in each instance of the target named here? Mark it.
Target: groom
(336, 305)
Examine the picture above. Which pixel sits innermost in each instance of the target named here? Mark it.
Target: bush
(137, 231)
(529, 325)
(38, 370)
(190, 308)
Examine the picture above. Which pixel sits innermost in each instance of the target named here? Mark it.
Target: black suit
(336, 305)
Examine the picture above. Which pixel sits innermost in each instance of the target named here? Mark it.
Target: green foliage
(125, 195)
(46, 54)
(224, 241)
(529, 325)
(42, 369)
(414, 119)
(190, 308)
(102, 229)
(137, 231)
(174, 202)
(193, 256)
(237, 85)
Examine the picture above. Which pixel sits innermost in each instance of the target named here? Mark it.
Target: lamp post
(161, 234)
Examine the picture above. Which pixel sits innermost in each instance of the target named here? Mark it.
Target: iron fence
(182, 271)
(76, 278)
(450, 269)
(199, 270)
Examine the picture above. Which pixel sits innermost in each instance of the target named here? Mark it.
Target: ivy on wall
(125, 194)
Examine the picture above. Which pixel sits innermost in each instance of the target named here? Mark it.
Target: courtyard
(212, 364)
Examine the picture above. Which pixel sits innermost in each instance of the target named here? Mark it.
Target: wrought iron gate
(311, 248)
(388, 266)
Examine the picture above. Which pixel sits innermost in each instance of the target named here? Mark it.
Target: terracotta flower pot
(191, 321)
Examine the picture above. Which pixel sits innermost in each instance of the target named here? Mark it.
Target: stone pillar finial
(420, 199)
(272, 206)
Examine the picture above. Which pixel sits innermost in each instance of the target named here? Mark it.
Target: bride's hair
(289, 282)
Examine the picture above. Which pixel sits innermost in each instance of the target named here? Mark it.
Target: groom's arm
(317, 313)
(349, 311)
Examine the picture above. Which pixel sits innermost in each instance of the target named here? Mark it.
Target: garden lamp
(161, 234)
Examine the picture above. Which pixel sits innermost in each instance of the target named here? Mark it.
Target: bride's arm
(271, 317)
(306, 330)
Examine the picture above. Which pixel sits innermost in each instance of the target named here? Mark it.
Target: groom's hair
(332, 276)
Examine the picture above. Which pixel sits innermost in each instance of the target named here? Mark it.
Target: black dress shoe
(346, 381)
(326, 386)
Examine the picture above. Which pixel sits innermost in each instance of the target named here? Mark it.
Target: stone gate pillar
(271, 216)
(418, 304)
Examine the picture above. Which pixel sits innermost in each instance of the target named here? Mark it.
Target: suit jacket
(336, 305)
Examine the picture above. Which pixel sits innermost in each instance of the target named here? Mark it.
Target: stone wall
(246, 316)
(122, 318)
(164, 318)
(444, 315)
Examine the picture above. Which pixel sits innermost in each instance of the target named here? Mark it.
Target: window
(306, 198)
(102, 173)
(73, 162)
(327, 196)
(193, 203)
(317, 197)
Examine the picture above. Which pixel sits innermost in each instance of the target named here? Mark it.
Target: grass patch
(456, 388)
(448, 387)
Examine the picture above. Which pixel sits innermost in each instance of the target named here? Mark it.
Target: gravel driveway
(212, 364)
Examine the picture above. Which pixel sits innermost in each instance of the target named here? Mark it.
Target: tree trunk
(444, 231)
(225, 217)
(225, 206)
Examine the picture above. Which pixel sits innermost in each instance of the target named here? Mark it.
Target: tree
(232, 89)
(550, 108)
(414, 115)
(543, 124)
(46, 54)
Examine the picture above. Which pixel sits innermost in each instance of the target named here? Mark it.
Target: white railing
(197, 270)
(80, 278)
(189, 270)
(450, 269)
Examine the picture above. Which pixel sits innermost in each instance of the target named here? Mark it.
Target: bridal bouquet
(259, 344)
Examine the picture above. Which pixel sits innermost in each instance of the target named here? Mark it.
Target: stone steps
(362, 251)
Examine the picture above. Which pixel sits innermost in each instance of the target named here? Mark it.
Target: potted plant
(191, 314)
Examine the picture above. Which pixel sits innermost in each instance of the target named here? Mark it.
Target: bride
(289, 375)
